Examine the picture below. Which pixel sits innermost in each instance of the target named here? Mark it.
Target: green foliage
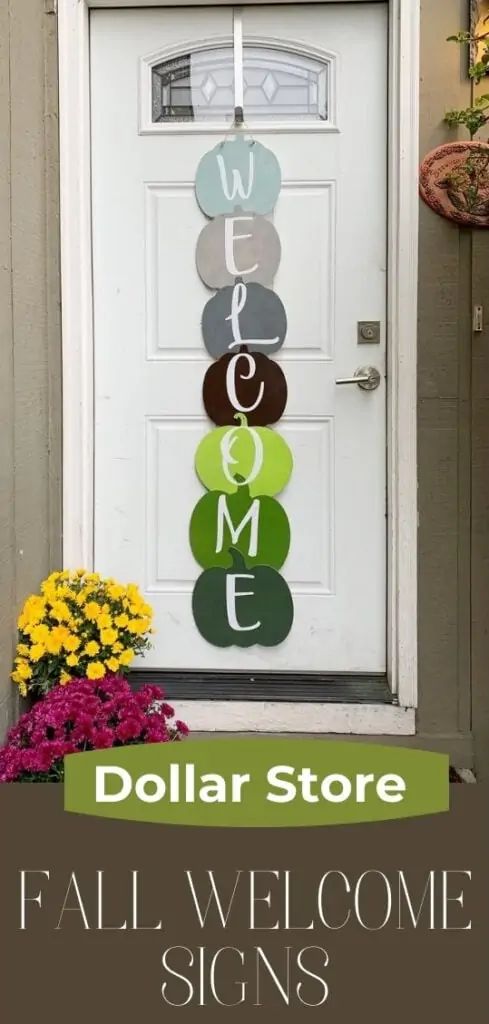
(475, 117)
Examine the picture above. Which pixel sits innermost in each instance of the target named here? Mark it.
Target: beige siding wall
(30, 536)
(453, 424)
(444, 352)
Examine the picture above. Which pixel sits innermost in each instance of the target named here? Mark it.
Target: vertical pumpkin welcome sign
(239, 532)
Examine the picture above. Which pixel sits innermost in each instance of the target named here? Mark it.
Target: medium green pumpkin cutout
(258, 455)
(242, 606)
(256, 527)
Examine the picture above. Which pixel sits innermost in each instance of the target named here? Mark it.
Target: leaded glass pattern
(278, 85)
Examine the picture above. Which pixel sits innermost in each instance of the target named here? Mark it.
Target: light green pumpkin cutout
(238, 172)
(258, 455)
(256, 527)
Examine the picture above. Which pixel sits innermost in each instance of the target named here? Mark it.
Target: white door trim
(77, 348)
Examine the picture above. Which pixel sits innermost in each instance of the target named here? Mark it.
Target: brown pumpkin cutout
(245, 382)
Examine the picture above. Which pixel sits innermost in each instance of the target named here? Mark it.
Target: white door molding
(77, 341)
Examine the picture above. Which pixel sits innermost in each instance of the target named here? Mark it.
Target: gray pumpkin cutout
(253, 246)
(244, 314)
(238, 172)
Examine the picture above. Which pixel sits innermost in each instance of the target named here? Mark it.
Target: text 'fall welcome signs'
(239, 532)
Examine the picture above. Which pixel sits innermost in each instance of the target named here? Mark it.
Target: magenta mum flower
(84, 715)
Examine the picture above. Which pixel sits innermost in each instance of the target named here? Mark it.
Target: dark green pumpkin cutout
(215, 527)
(242, 606)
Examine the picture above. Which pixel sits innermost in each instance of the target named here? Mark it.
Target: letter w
(213, 896)
(237, 187)
(252, 515)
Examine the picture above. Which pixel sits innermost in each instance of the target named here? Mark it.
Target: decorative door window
(278, 85)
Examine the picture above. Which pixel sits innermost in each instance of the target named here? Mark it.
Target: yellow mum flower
(71, 643)
(92, 611)
(104, 621)
(23, 670)
(135, 608)
(147, 610)
(108, 636)
(56, 639)
(81, 597)
(117, 648)
(22, 688)
(37, 652)
(64, 678)
(53, 644)
(60, 611)
(92, 648)
(126, 657)
(40, 633)
(24, 650)
(72, 660)
(33, 611)
(121, 620)
(92, 577)
(138, 626)
(132, 590)
(116, 591)
(95, 670)
(112, 664)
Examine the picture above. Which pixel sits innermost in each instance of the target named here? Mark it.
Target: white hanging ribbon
(238, 65)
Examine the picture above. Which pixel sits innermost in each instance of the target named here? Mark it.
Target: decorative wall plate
(454, 182)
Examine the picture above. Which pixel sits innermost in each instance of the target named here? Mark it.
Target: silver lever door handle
(366, 377)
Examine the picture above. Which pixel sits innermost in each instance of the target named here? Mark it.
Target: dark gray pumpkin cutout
(238, 245)
(244, 314)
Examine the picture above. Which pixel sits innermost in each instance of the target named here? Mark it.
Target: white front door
(316, 95)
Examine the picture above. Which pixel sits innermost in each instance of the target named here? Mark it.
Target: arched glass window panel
(279, 85)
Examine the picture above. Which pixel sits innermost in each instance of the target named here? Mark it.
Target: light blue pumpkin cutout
(238, 173)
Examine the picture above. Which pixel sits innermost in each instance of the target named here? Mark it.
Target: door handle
(366, 377)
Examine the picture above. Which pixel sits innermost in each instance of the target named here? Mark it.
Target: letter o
(150, 780)
(358, 914)
(336, 798)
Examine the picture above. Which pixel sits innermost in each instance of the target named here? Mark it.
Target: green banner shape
(257, 783)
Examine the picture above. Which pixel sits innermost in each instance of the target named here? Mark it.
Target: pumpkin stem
(243, 422)
(238, 560)
(240, 481)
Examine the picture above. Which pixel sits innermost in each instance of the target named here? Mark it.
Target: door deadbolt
(368, 331)
(366, 377)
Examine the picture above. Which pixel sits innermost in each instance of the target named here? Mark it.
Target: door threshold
(282, 703)
(280, 687)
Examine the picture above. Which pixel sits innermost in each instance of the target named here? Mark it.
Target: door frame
(402, 276)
